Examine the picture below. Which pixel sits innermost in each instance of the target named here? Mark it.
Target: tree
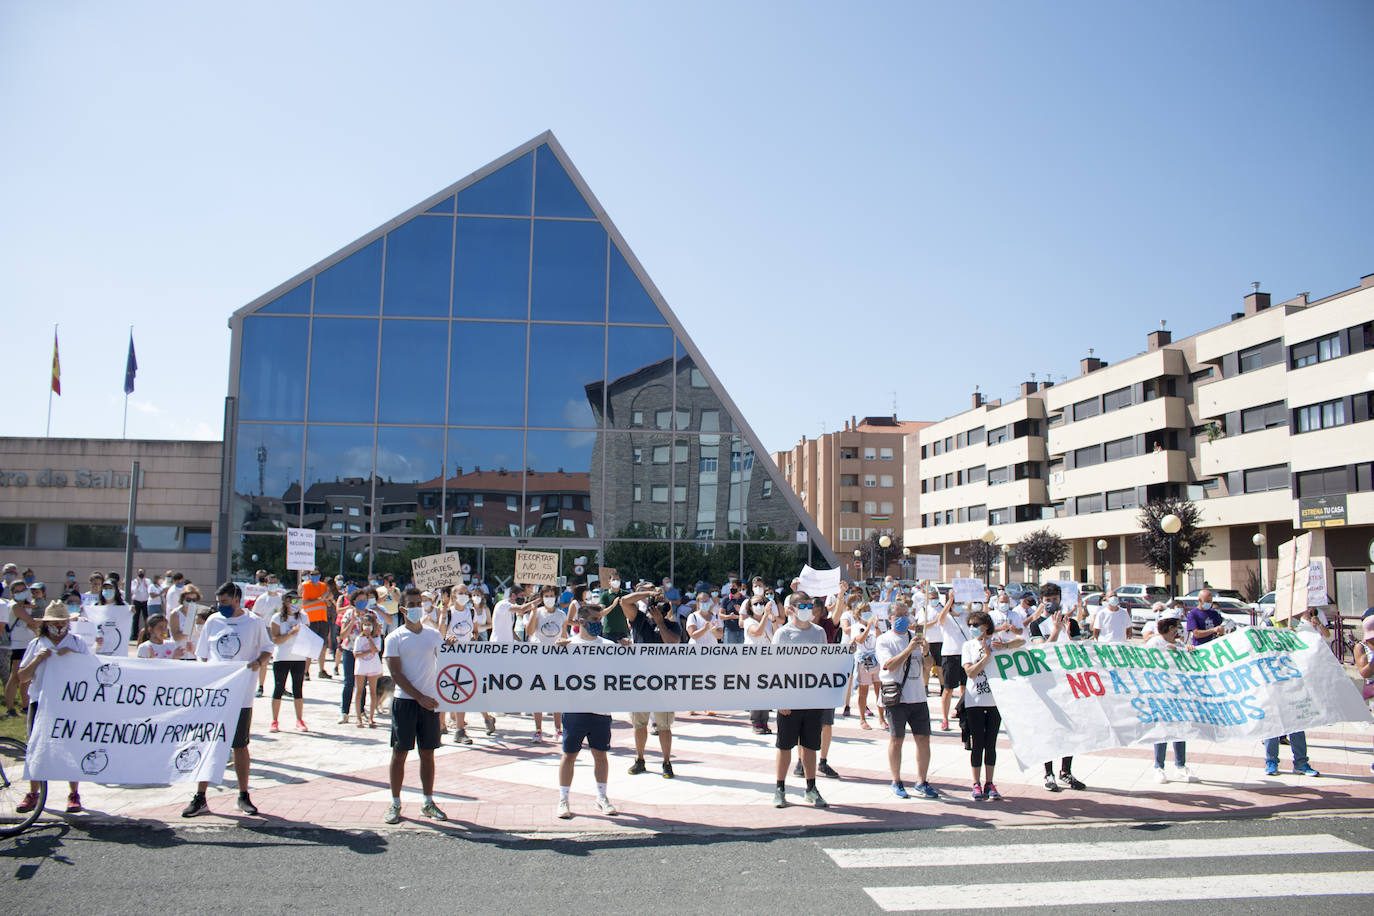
(1041, 550)
(1188, 544)
(878, 556)
(984, 556)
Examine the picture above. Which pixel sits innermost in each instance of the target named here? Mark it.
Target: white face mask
(415, 614)
(548, 602)
(426, 606)
(461, 600)
(477, 599)
(615, 583)
(758, 591)
(805, 614)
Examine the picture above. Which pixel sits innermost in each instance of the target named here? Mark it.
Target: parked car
(1216, 592)
(1264, 608)
(1149, 594)
(1087, 588)
(1236, 611)
(1016, 589)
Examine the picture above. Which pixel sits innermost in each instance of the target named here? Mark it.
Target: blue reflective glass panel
(491, 272)
(410, 470)
(569, 279)
(505, 192)
(640, 362)
(487, 377)
(566, 365)
(272, 373)
(559, 469)
(294, 302)
(443, 206)
(554, 192)
(485, 482)
(698, 405)
(343, 370)
(353, 286)
(414, 361)
(418, 259)
(267, 475)
(630, 302)
(338, 477)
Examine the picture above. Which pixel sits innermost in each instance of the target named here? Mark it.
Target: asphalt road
(1207, 866)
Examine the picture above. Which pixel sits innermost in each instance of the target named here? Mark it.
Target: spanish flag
(56, 366)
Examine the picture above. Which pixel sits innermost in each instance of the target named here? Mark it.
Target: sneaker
(538, 737)
(246, 805)
(1305, 771)
(393, 813)
(197, 806)
(1183, 774)
(11, 714)
(990, 790)
(326, 675)
(1159, 775)
(780, 798)
(460, 736)
(927, 790)
(899, 790)
(491, 724)
(28, 804)
(1071, 781)
(825, 769)
(343, 720)
(977, 793)
(273, 727)
(638, 767)
(762, 730)
(564, 811)
(798, 771)
(667, 770)
(1271, 769)
(814, 797)
(259, 693)
(73, 803)
(1050, 783)
(846, 711)
(433, 811)
(300, 723)
(603, 804)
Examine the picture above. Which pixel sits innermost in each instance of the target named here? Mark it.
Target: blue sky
(877, 197)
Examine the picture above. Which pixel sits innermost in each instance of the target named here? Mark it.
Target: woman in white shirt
(182, 622)
(1169, 638)
(545, 627)
(283, 629)
(864, 642)
(704, 627)
(367, 666)
(980, 707)
(54, 638)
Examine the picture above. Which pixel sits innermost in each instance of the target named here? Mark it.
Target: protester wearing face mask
(900, 652)
(547, 624)
(233, 635)
(1205, 622)
(174, 583)
(981, 717)
(949, 619)
(282, 630)
(349, 622)
(1113, 622)
(651, 622)
(592, 728)
(54, 638)
(17, 634)
(182, 621)
(864, 642)
(315, 604)
(1169, 638)
(412, 658)
(924, 610)
(1054, 623)
(1364, 662)
(799, 726)
(1008, 620)
(761, 620)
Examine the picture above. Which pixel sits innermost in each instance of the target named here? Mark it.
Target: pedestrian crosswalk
(994, 894)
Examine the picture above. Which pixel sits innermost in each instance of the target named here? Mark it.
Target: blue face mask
(592, 626)
(226, 609)
(314, 578)
(866, 616)
(107, 593)
(360, 603)
(901, 624)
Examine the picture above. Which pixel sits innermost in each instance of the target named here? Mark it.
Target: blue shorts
(592, 726)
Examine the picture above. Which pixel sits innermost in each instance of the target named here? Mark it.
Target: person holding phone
(901, 653)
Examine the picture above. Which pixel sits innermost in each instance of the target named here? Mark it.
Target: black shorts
(320, 628)
(827, 717)
(935, 650)
(952, 667)
(245, 725)
(16, 656)
(800, 726)
(412, 724)
(915, 715)
(594, 727)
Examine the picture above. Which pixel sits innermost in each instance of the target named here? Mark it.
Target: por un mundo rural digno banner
(1062, 699)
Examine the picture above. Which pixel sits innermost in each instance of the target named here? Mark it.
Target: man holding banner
(799, 726)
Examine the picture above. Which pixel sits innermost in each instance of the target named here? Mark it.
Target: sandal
(371, 724)
(362, 724)
(863, 723)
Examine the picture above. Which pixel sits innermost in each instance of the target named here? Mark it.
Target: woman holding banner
(1169, 635)
(54, 638)
(980, 706)
(283, 629)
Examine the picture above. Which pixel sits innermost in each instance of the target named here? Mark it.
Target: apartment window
(1324, 482)
(848, 453)
(937, 448)
(871, 507)
(998, 435)
(712, 464)
(1262, 480)
(870, 480)
(477, 499)
(849, 505)
(658, 494)
(1022, 428)
(1029, 469)
(884, 508)
(1087, 505)
(886, 480)
(885, 454)
(660, 454)
(680, 493)
(1122, 499)
(534, 503)
(1120, 448)
(1086, 457)
(976, 434)
(1258, 357)
(767, 489)
(638, 493)
(697, 379)
(1089, 408)
(1316, 351)
(937, 483)
(1321, 416)
(936, 520)
(512, 503)
(923, 452)
(851, 534)
(849, 480)
(998, 475)
(679, 449)
(636, 418)
(978, 513)
(663, 418)
(1265, 416)
(1201, 374)
(976, 473)
(1115, 400)
(949, 443)
(999, 516)
(870, 454)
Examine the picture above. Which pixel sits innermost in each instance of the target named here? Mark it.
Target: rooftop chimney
(1236, 316)
(1156, 339)
(1257, 301)
(1090, 363)
(978, 399)
(1045, 385)
(1027, 388)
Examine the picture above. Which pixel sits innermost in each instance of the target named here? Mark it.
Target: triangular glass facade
(492, 370)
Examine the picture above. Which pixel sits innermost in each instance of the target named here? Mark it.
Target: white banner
(1073, 698)
(1068, 592)
(135, 721)
(520, 677)
(818, 583)
(112, 622)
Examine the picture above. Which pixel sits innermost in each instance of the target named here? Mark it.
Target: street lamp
(858, 563)
(1258, 541)
(906, 562)
(1170, 525)
(884, 542)
(1102, 562)
(988, 537)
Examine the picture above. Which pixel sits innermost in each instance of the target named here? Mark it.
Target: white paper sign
(436, 571)
(111, 622)
(133, 721)
(928, 566)
(879, 609)
(1317, 595)
(967, 590)
(819, 583)
(300, 549)
(306, 643)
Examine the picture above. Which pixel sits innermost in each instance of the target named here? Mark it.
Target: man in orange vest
(315, 603)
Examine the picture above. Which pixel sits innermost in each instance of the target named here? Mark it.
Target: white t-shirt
(956, 632)
(363, 643)
(1012, 615)
(979, 691)
(711, 637)
(869, 644)
(69, 641)
(173, 594)
(281, 652)
(154, 592)
(139, 592)
(763, 639)
(461, 624)
(890, 645)
(1113, 625)
(503, 621)
(1303, 625)
(419, 655)
(165, 649)
(849, 627)
(1158, 642)
(267, 605)
(233, 639)
(545, 626)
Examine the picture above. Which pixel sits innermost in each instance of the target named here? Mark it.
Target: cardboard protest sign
(135, 721)
(928, 566)
(436, 571)
(819, 583)
(1293, 586)
(300, 549)
(967, 590)
(604, 575)
(534, 567)
(111, 622)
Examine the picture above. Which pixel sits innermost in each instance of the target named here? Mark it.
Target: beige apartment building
(852, 483)
(1260, 420)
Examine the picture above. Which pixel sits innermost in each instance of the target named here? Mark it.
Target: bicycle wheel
(13, 788)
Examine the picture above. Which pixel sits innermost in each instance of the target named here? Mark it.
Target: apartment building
(852, 483)
(1258, 420)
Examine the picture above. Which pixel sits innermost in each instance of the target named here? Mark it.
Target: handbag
(891, 694)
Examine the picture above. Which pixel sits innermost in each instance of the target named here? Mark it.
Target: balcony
(1161, 413)
(1331, 379)
(1169, 466)
(1246, 450)
(1142, 368)
(1327, 448)
(1263, 386)
(1016, 451)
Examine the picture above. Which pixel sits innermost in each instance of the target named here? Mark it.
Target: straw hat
(55, 611)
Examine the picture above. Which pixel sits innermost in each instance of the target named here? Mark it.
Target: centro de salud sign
(1322, 511)
(83, 478)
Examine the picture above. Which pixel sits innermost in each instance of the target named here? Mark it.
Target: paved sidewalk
(336, 776)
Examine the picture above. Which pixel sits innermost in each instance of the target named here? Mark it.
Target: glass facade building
(493, 369)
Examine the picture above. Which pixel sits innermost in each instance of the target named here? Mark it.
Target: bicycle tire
(13, 788)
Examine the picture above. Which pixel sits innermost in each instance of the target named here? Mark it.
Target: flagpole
(47, 433)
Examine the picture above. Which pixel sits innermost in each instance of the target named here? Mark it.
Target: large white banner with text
(1062, 699)
(523, 677)
(133, 721)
